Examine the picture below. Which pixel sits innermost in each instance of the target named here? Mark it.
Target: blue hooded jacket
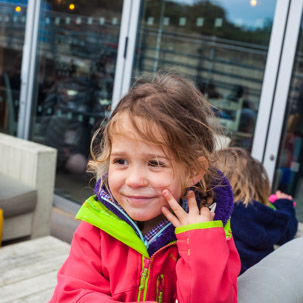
(257, 228)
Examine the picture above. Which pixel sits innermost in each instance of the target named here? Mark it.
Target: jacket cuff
(203, 225)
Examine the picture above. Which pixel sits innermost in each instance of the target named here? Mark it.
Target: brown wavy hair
(182, 114)
(246, 175)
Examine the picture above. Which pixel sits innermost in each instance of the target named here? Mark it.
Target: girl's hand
(180, 216)
(281, 195)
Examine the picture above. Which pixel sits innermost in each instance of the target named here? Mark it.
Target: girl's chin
(142, 218)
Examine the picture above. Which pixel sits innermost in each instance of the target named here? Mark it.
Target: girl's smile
(138, 199)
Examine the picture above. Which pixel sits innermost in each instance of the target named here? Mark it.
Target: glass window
(289, 170)
(77, 50)
(12, 30)
(221, 45)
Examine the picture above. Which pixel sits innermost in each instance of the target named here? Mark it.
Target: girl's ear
(195, 176)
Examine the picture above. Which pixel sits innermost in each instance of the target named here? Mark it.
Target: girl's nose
(136, 178)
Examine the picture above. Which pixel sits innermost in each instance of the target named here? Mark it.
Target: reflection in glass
(221, 45)
(12, 30)
(289, 172)
(77, 51)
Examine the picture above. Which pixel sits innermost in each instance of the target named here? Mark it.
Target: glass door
(74, 75)
(12, 32)
(284, 153)
(222, 45)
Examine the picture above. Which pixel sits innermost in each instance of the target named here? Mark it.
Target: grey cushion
(15, 197)
(278, 278)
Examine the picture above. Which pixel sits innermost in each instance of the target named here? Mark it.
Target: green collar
(95, 213)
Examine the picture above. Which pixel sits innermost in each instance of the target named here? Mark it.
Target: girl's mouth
(139, 197)
(134, 199)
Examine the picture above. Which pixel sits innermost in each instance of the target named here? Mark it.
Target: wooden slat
(29, 269)
(28, 287)
(40, 297)
(28, 258)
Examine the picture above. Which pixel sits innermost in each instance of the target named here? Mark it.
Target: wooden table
(28, 269)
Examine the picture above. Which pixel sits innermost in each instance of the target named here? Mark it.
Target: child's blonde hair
(246, 175)
(181, 113)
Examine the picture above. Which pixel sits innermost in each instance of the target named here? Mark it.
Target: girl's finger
(170, 217)
(204, 211)
(174, 205)
(192, 203)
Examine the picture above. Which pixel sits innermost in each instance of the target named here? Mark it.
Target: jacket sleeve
(209, 264)
(80, 278)
(286, 206)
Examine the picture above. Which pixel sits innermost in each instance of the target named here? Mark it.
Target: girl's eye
(155, 163)
(120, 161)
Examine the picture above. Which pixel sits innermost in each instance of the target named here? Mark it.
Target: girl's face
(139, 172)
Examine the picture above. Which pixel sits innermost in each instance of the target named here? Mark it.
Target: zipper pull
(160, 290)
(142, 279)
(160, 299)
(143, 274)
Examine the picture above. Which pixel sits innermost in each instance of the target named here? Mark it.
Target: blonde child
(148, 235)
(257, 224)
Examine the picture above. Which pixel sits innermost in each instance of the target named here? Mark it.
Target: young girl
(257, 224)
(148, 234)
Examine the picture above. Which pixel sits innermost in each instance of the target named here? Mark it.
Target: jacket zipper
(160, 288)
(144, 273)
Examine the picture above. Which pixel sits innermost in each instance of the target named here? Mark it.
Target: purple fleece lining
(223, 192)
(167, 236)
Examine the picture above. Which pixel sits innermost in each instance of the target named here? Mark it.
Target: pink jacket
(108, 264)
